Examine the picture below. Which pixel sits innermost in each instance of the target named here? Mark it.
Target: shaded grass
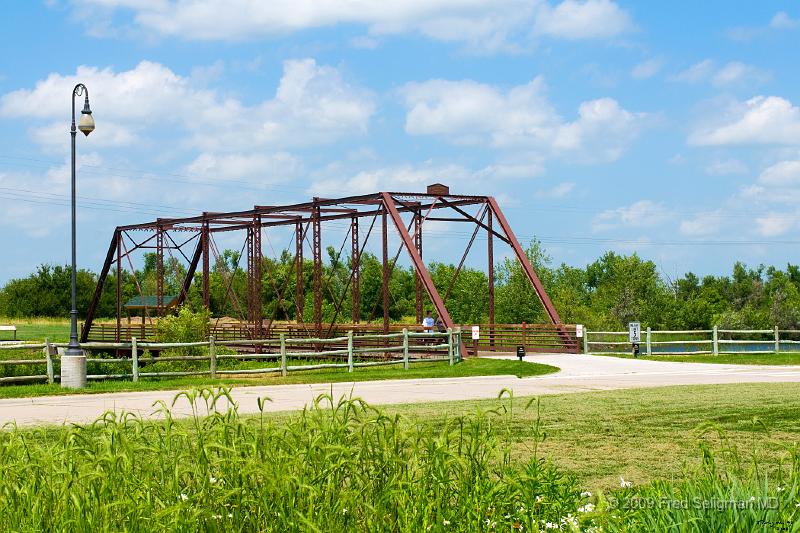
(782, 358)
(466, 368)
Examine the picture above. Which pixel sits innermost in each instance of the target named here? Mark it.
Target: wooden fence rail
(690, 342)
(412, 348)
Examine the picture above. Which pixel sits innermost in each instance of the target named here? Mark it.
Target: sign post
(476, 334)
(635, 336)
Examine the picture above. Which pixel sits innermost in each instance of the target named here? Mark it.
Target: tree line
(605, 294)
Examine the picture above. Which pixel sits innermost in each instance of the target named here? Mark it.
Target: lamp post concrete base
(73, 371)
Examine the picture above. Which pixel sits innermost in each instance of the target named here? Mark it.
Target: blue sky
(668, 129)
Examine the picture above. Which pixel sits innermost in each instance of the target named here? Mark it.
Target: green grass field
(466, 368)
(783, 358)
(37, 329)
(643, 434)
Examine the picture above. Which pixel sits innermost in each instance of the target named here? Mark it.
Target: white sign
(634, 332)
(579, 330)
(476, 332)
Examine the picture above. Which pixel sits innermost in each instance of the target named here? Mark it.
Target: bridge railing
(542, 338)
(348, 351)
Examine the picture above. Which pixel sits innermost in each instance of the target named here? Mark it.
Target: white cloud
(726, 167)
(732, 73)
(267, 168)
(647, 69)
(38, 203)
(760, 120)
(562, 190)
(522, 118)
(572, 19)
(702, 225)
(776, 224)
(783, 21)
(780, 21)
(781, 174)
(398, 178)
(696, 73)
(643, 213)
(735, 73)
(487, 24)
(312, 104)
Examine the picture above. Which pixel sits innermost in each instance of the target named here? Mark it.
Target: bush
(185, 326)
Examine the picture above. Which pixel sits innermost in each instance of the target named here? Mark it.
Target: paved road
(579, 373)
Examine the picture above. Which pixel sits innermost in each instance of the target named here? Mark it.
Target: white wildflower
(550, 525)
(344, 511)
(586, 494)
(780, 489)
(230, 515)
(184, 497)
(588, 508)
(212, 479)
(445, 522)
(569, 520)
(624, 484)
(216, 516)
(539, 499)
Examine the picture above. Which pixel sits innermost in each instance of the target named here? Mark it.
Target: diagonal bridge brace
(419, 265)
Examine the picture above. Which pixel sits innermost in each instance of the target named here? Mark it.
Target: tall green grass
(730, 491)
(337, 466)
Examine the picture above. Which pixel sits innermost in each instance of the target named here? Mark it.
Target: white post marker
(634, 332)
(579, 330)
(635, 336)
(476, 332)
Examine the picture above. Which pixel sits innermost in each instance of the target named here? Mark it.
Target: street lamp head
(86, 124)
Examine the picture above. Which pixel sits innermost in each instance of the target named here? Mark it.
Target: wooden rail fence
(690, 342)
(408, 347)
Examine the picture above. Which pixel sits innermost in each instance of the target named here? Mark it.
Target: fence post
(212, 355)
(134, 359)
(457, 344)
(715, 340)
(405, 348)
(450, 345)
(647, 342)
(586, 340)
(49, 357)
(350, 350)
(777, 341)
(284, 371)
(524, 343)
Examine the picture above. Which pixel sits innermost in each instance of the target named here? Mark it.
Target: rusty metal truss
(192, 238)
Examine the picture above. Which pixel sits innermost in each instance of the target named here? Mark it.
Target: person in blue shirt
(428, 322)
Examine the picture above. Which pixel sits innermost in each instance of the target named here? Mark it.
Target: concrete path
(579, 373)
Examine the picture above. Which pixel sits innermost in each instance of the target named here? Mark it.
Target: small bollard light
(520, 352)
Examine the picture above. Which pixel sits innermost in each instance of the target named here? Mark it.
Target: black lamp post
(73, 364)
